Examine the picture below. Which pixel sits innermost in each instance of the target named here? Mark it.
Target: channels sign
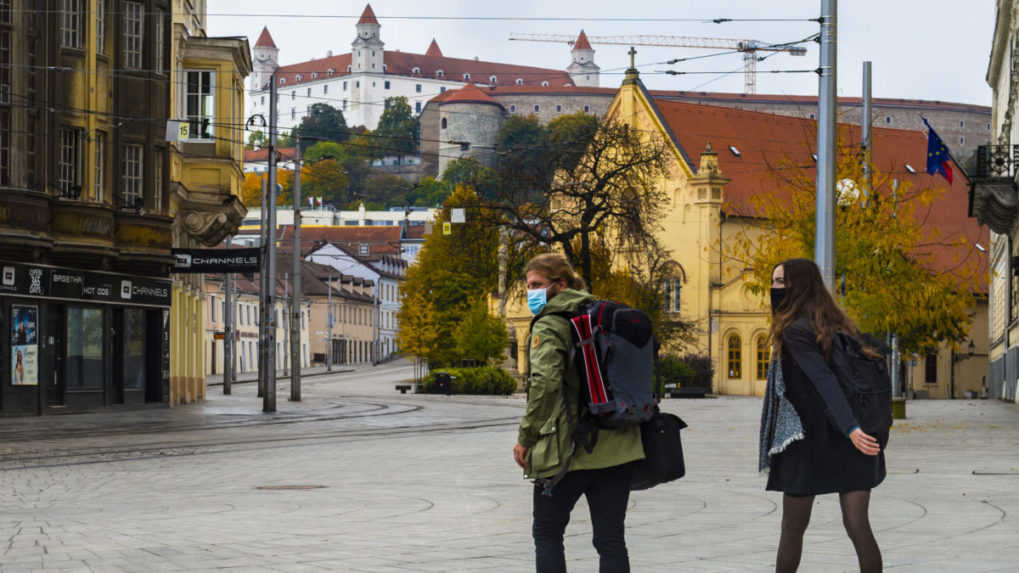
(74, 284)
(216, 260)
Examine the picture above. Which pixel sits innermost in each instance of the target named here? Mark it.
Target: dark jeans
(608, 492)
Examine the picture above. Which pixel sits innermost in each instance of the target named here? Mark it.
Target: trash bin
(445, 383)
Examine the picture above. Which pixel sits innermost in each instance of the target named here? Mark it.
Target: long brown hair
(806, 296)
(555, 267)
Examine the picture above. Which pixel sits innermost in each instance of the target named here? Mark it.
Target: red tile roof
(262, 155)
(467, 94)
(368, 16)
(582, 43)
(382, 240)
(264, 39)
(433, 49)
(404, 64)
(765, 142)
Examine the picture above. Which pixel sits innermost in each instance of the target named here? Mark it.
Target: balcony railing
(994, 200)
(997, 161)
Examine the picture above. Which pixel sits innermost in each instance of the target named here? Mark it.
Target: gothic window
(763, 357)
(672, 291)
(735, 356)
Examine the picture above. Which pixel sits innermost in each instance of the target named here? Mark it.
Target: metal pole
(228, 330)
(866, 122)
(269, 398)
(375, 331)
(295, 315)
(262, 288)
(896, 366)
(286, 327)
(329, 326)
(824, 244)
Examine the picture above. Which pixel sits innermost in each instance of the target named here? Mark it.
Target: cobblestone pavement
(360, 478)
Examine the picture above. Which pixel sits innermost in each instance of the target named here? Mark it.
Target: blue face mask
(537, 299)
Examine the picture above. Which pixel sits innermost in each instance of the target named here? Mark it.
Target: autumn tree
(570, 198)
(451, 272)
(886, 274)
(481, 336)
(251, 190)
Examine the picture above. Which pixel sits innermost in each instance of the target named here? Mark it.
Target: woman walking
(811, 443)
(545, 443)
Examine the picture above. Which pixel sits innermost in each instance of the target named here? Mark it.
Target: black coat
(825, 461)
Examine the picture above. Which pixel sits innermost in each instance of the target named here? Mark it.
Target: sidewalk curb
(284, 378)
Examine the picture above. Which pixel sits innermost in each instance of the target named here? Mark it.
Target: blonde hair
(555, 267)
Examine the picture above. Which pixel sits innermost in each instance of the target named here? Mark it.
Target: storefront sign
(24, 345)
(216, 260)
(73, 284)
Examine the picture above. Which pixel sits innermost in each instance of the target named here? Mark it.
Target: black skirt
(824, 461)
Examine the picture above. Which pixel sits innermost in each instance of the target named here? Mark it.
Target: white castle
(359, 82)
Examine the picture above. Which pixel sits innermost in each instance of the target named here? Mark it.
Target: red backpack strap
(585, 340)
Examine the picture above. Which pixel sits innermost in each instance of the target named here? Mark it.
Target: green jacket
(545, 430)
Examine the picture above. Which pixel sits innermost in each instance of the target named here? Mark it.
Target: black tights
(796, 516)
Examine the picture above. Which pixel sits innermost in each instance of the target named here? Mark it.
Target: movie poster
(24, 345)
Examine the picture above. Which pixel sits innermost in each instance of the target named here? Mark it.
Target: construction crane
(749, 48)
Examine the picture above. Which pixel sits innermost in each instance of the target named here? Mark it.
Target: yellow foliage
(886, 274)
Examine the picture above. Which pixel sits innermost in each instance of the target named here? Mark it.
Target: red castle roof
(582, 43)
(368, 16)
(433, 49)
(264, 39)
(467, 94)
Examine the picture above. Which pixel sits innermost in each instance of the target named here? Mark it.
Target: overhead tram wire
(320, 16)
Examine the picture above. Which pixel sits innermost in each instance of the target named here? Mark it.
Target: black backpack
(615, 357)
(865, 382)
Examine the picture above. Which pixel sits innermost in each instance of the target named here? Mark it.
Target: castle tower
(583, 70)
(266, 59)
(366, 52)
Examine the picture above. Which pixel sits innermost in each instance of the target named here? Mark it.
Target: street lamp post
(329, 326)
(295, 308)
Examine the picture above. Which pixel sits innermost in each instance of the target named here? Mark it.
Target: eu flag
(937, 155)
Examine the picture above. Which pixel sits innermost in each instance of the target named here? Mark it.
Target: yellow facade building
(206, 157)
(719, 159)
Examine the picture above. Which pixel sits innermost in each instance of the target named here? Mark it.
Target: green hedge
(670, 369)
(481, 380)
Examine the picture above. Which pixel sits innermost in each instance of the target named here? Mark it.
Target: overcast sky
(923, 49)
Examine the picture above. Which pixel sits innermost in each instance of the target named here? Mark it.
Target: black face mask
(777, 296)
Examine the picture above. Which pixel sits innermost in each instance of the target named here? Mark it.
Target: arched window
(467, 77)
(763, 357)
(735, 356)
(443, 123)
(330, 71)
(520, 81)
(544, 84)
(493, 80)
(283, 81)
(416, 71)
(349, 67)
(439, 73)
(298, 77)
(314, 75)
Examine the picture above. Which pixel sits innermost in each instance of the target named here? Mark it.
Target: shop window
(735, 356)
(83, 365)
(134, 348)
(763, 357)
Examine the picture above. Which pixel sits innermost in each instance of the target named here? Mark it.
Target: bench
(674, 390)
(403, 388)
